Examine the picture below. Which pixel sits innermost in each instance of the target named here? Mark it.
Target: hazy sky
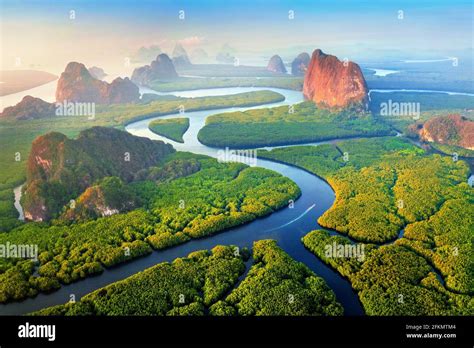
(44, 37)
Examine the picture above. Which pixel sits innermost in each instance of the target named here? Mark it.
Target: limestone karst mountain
(60, 168)
(276, 65)
(29, 108)
(335, 84)
(450, 130)
(300, 64)
(180, 56)
(162, 68)
(76, 84)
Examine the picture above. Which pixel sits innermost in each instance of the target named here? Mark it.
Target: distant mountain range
(76, 84)
(162, 68)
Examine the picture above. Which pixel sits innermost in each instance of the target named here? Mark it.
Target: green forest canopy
(16, 136)
(205, 282)
(382, 186)
(171, 128)
(173, 211)
(293, 124)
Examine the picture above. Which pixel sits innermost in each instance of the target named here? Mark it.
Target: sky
(44, 35)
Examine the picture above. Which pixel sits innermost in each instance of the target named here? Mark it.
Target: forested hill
(59, 168)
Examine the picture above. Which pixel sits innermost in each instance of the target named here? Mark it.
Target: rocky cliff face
(276, 65)
(300, 64)
(449, 130)
(122, 91)
(29, 108)
(108, 197)
(76, 84)
(162, 68)
(59, 168)
(334, 84)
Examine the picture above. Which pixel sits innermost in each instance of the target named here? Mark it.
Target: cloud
(192, 41)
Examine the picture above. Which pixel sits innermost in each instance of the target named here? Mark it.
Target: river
(287, 226)
(17, 204)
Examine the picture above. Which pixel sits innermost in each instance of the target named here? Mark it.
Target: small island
(171, 128)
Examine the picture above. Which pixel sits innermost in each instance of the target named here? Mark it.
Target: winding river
(287, 226)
